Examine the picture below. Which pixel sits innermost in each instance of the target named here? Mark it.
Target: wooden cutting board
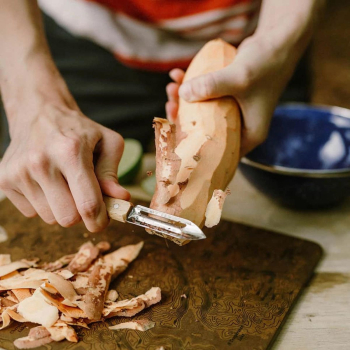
(230, 291)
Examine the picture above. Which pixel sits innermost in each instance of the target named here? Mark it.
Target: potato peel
(138, 325)
(71, 292)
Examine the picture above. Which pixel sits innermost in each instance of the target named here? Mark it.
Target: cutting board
(231, 291)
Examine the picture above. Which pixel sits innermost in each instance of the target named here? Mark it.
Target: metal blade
(167, 224)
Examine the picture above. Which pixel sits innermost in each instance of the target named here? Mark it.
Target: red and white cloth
(155, 34)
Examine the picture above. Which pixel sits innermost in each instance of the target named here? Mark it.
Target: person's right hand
(59, 163)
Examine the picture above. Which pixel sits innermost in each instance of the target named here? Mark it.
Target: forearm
(28, 75)
(289, 24)
(21, 32)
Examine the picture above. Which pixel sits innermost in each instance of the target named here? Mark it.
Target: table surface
(321, 318)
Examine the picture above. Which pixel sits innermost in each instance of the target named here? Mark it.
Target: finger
(171, 109)
(21, 203)
(172, 90)
(257, 115)
(177, 75)
(86, 191)
(36, 197)
(111, 149)
(208, 86)
(60, 200)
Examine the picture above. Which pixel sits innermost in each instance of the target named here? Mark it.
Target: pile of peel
(72, 291)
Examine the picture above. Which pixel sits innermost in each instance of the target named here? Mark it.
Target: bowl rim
(313, 173)
(340, 111)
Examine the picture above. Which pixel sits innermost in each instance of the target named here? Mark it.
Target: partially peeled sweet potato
(200, 152)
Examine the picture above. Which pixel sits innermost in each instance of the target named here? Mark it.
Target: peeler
(162, 223)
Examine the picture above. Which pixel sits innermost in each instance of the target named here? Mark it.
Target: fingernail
(185, 92)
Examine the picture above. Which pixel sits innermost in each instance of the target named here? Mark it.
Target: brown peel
(37, 336)
(59, 298)
(214, 208)
(138, 325)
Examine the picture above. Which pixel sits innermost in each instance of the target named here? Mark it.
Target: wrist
(287, 38)
(31, 85)
(280, 46)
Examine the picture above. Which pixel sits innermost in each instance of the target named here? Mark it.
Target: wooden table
(321, 318)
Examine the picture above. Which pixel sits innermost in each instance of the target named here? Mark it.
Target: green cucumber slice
(149, 184)
(130, 163)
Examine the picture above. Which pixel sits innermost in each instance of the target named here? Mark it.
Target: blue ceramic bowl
(305, 161)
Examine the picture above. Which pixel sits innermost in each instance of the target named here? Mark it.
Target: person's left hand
(256, 79)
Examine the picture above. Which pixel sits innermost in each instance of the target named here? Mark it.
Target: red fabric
(155, 66)
(156, 10)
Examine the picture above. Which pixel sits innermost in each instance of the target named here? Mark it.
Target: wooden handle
(117, 209)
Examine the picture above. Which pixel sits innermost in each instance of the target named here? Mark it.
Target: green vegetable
(130, 163)
(149, 184)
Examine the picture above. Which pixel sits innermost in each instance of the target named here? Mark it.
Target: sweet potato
(200, 152)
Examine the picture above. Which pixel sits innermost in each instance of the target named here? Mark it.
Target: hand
(59, 162)
(255, 78)
(58, 165)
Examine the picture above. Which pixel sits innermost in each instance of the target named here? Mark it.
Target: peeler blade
(166, 224)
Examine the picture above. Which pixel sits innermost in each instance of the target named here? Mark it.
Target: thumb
(106, 168)
(207, 86)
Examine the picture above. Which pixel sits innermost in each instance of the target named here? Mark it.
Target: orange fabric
(157, 10)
